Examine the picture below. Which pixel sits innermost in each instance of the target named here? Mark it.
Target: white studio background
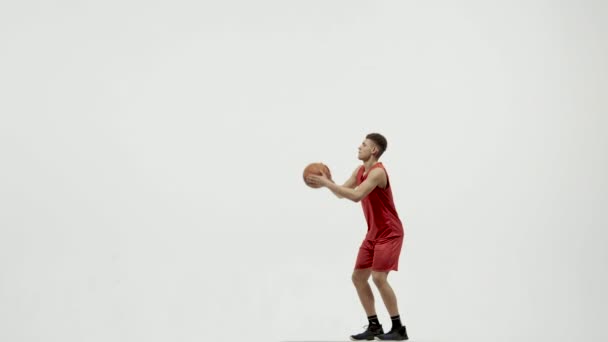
(150, 180)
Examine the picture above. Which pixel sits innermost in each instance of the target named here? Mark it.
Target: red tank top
(379, 209)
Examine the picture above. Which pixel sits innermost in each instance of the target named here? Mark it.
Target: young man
(380, 250)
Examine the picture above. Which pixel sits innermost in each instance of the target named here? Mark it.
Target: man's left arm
(357, 194)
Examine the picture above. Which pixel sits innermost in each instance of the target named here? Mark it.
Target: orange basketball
(315, 169)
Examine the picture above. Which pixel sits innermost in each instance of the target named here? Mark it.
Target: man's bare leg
(386, 291)
(360, 279)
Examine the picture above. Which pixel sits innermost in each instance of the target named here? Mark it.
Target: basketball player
(379, 251)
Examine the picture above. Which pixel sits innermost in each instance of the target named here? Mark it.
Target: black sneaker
(399, 334)
(369, 334)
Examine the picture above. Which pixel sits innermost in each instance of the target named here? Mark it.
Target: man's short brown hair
(380, 142)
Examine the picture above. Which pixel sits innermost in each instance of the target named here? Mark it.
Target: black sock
(396, 322)
(373, 320)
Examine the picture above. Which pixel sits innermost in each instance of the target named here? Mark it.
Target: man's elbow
(356, 198)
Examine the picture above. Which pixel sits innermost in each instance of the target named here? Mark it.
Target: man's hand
(321, 180)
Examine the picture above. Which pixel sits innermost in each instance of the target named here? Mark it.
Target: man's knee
(380, 278)
(360, 276)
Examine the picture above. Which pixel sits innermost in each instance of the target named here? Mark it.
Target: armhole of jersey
(385, 173)
(388, 184)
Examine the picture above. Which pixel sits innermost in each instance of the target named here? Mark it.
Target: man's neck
(369, 163)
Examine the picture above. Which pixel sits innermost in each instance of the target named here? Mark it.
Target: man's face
(366, 149)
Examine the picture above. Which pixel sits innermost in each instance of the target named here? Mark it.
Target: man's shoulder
(379, 167)
(378, 172)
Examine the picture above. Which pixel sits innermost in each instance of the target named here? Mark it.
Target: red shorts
(381, 256)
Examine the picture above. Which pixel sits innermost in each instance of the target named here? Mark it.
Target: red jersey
(382, 219)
